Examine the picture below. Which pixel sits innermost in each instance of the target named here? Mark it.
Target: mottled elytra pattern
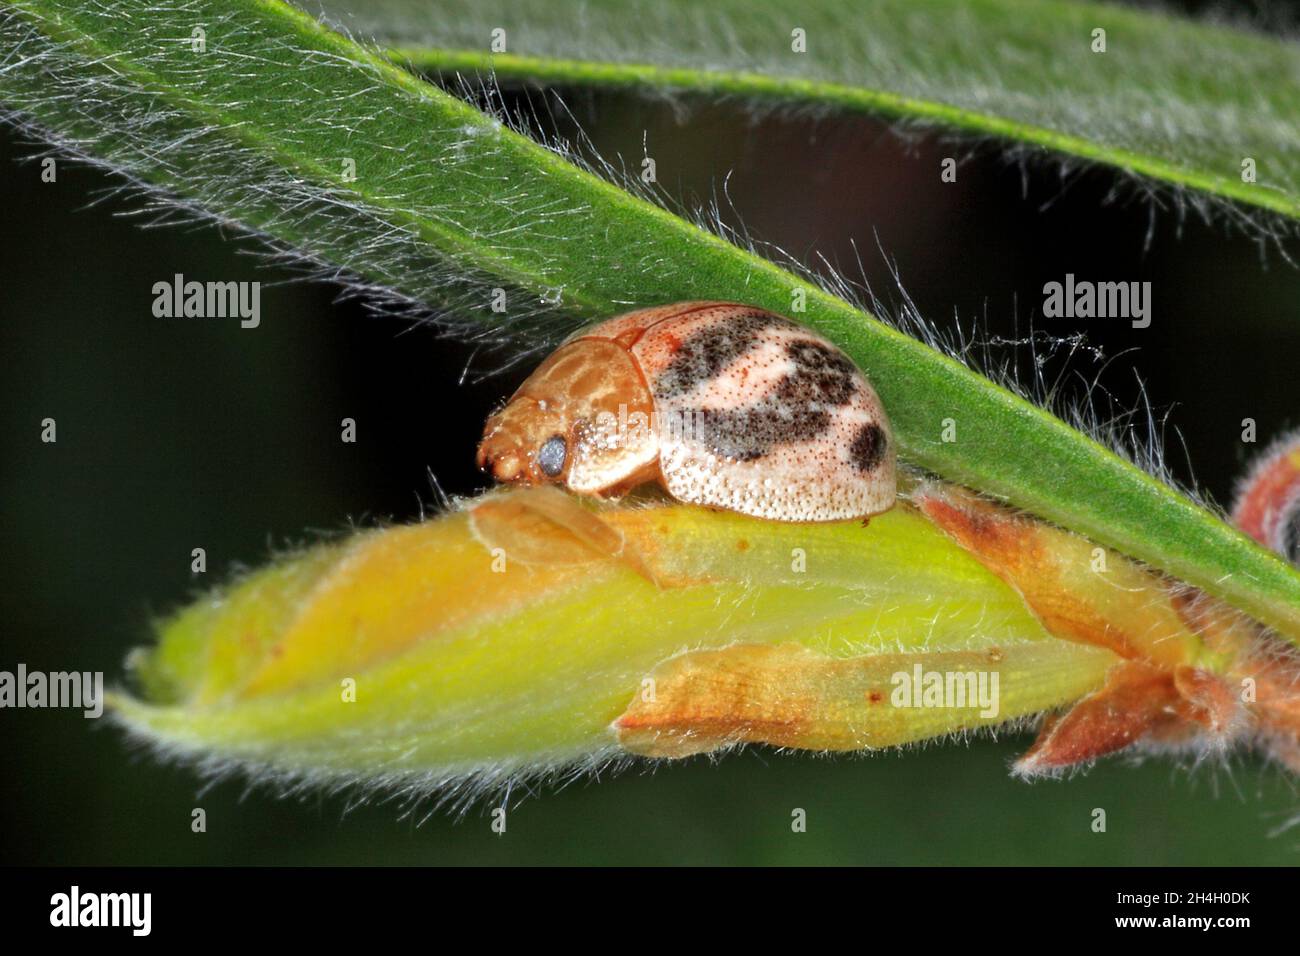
(707, 352)
(759, 414)
(798, 409)
(821, 374)
(750, 412)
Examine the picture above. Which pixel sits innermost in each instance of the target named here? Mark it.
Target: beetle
(723, 404)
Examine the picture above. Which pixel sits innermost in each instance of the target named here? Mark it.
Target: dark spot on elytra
(745, 434)
(868, 447)
(821, 374)
(798, 409)
(702, 357)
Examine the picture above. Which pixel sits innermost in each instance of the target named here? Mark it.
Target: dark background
(174, 434)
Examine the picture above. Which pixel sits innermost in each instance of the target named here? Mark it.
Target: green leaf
(264, 123)
(1181, 102)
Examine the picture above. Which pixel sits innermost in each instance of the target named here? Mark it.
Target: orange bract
(1196, 675)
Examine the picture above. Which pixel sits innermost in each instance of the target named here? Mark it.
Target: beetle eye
(550, 458)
